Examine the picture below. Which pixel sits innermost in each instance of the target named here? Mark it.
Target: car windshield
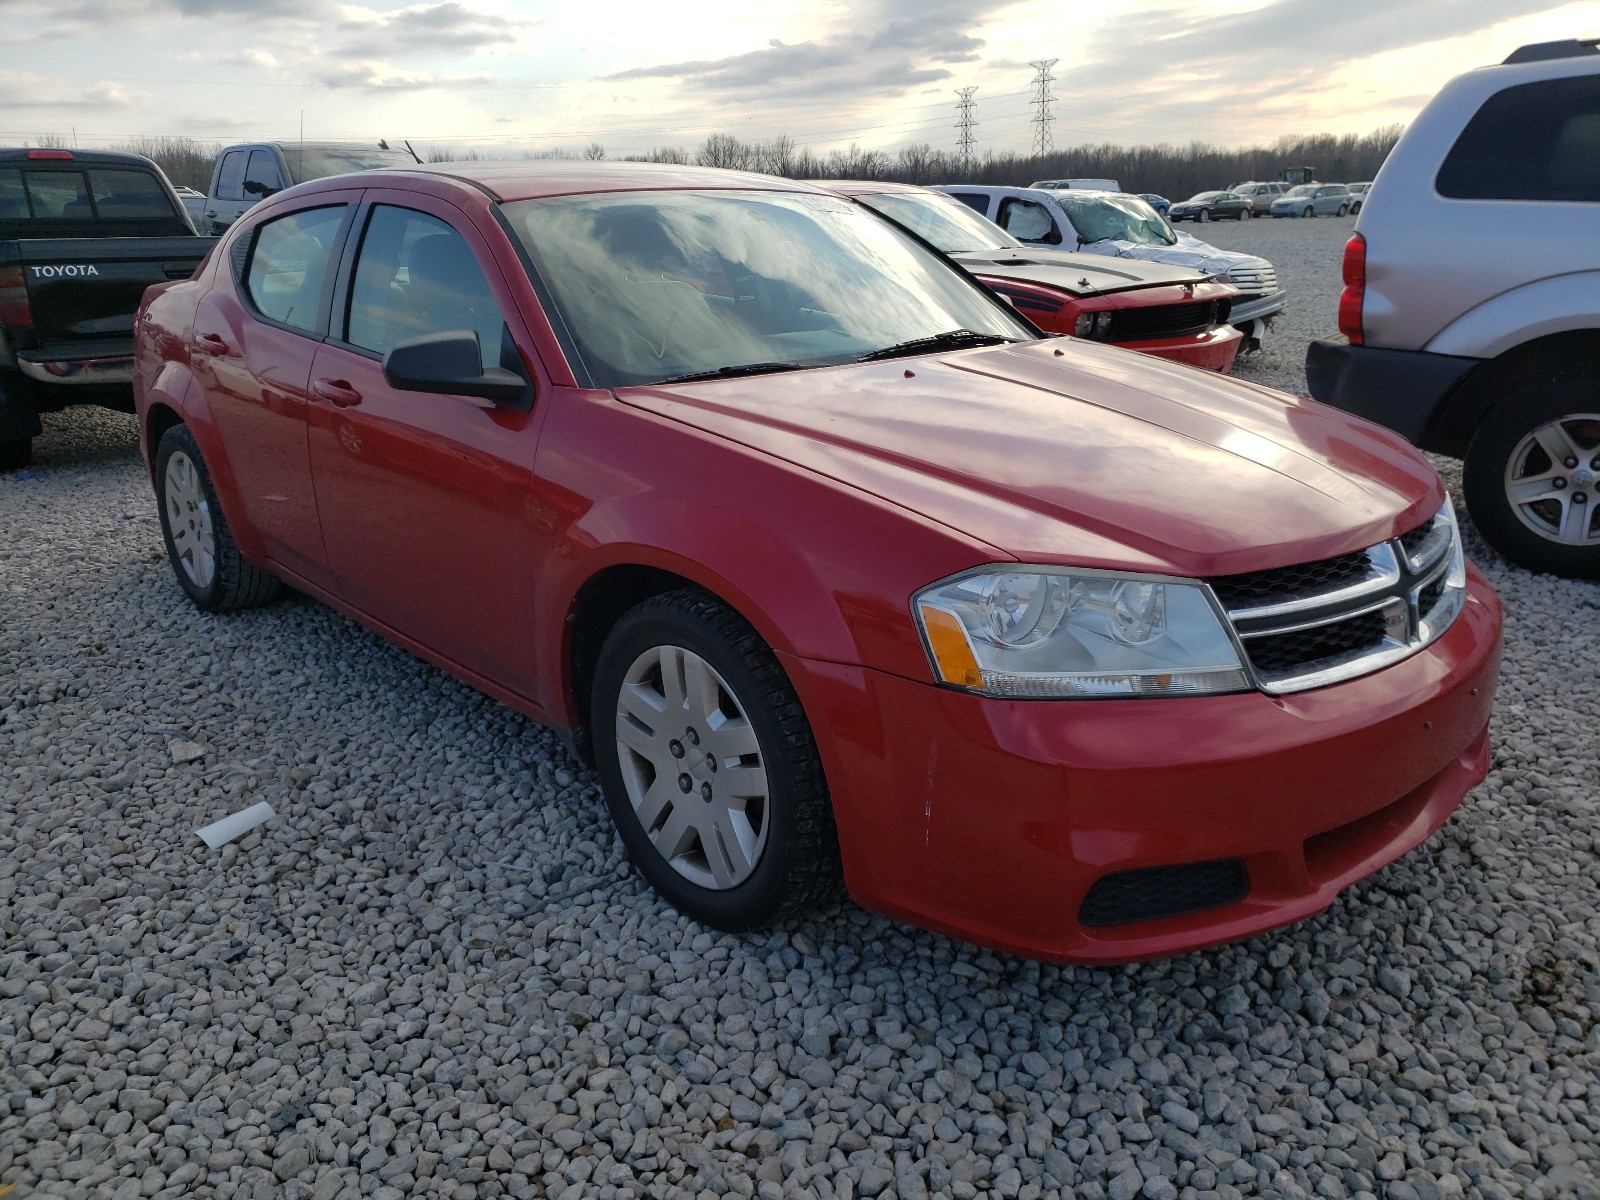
(1117, 218)
(948, 225)
(656, 286)
(1305, 189)
(319, 162)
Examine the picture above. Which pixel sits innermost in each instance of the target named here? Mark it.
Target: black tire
(1344, 210)
(1356, 208)
(1244, 214)
(1566, 392)
(15, 453)
(233, 583)
(1203, 215)
(797, 868)
(1309, 212)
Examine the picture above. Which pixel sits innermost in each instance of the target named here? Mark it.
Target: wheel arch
(1485, 387)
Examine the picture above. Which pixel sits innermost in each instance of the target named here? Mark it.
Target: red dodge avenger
(838, 571)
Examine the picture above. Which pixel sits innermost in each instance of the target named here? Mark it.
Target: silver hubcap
(189, 519)
(1551, 480)
(692, 767)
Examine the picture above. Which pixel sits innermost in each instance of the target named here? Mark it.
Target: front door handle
(211, 343)
(337, 392)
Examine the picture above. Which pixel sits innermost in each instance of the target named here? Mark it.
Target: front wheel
(1532, 472)
(1203, 215)
(200, 546)
(710, 769)
(1356, 207)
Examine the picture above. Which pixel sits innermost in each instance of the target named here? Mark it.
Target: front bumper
(1213, 350)
(992, 820)
(1255, 308)
(1399, 389)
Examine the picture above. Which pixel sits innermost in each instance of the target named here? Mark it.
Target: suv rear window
(1535, 141)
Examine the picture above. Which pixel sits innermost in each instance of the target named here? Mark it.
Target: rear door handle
(211, 343)
(337, 392)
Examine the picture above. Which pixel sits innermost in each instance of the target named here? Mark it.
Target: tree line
(1169, 170)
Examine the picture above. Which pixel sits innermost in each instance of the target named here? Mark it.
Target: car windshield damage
(662, 287)
(944, 223)
(1116, 218)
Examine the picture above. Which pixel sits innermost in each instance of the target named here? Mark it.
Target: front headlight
(1027, 632)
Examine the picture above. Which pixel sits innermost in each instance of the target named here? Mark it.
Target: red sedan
(1154, 308)
(831, 565)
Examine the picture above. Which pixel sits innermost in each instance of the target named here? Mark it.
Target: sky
(509, 76)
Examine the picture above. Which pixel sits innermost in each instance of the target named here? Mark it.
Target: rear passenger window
(1535, 141)
(976, 201)
(59, 195)
(290, 263)
(128, 195)
(13, 200)
(415, 275)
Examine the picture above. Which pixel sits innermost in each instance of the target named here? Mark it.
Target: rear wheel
(1309, 212)
(200, 546)
(1245, 214)
(1344, 210)
(710, 769)
(1532, 472)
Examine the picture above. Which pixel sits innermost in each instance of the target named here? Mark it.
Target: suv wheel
(1532, 476)
(200, 545)
(709, 766)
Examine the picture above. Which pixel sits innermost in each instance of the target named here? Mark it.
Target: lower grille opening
(1154, 892)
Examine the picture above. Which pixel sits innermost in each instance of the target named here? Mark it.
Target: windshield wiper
(950, 339)
(760, 368)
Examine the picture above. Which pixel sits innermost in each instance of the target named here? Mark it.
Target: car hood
(1080, 274)
(1190, 252)
(1064, 451)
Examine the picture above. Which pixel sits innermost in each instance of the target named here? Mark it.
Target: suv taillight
(1355, 288)
(14, 310)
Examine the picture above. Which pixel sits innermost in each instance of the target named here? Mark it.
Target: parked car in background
(193, 201)
(1313, 200)
(1358, 195)
(1471, 311)
(1160, 203)
(82, 234)
(1092, 185)
(1124, 226)
(246, 174)
(1177, 313)
(1210, 206)
(518, 416)
(1261, 195)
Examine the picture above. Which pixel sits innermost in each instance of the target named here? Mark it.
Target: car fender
(1560, 304)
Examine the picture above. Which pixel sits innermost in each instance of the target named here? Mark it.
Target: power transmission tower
(964, 127)
(1042, 101)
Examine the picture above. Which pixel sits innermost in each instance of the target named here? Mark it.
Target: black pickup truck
(82, 234)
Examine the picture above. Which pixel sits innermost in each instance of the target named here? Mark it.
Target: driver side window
(1028, 221)
(415, 275)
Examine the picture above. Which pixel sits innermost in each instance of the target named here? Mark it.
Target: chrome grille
(1254, 280)
(1312, 624)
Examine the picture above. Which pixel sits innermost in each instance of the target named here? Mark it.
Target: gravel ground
(432, 973)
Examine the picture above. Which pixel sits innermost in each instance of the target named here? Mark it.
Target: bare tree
(723, 150)
(594, 151)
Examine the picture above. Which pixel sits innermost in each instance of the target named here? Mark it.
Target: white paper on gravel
(220, 833)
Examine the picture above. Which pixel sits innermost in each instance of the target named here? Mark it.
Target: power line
(1042, 142)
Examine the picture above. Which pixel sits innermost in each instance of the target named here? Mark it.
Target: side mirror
(451, 364)
(256, 188)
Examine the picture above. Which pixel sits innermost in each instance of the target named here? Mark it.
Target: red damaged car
(1154, 308)
(836, 570)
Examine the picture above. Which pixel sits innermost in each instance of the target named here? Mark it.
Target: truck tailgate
(86, 290)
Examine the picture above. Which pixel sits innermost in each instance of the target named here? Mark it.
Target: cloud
(23, 90)
(449, 27)
(377, 76)
(881, 50)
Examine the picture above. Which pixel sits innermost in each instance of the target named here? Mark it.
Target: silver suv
(1471, 311)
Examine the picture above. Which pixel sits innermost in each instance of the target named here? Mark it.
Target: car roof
(91, 157)
(513, 180)
(870, 187)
